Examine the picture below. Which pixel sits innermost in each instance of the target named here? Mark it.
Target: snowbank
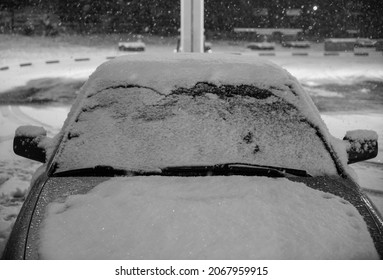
(204, 218)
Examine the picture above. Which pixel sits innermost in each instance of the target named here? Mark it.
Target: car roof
(167, 72)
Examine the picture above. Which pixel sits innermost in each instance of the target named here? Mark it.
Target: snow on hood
(213, 217)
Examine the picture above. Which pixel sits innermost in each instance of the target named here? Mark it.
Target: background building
(318, 19)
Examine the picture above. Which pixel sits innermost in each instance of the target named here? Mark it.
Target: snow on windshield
(152, 118)
(232, 217)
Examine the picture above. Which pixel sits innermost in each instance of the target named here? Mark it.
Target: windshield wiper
(104, 171)
(230, 169)
(227, 169)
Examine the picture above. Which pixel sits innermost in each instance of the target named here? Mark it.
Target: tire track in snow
(5, 138)
(28, 118)
(373, 192)
(17, 116)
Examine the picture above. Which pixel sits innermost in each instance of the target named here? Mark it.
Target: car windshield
(137, 128)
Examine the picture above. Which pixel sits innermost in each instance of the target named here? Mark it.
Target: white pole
(192, 25)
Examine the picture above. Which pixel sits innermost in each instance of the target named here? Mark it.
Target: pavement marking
(82, 59)
(25, 64)
(52, 61)
(266, 54)
(301, 54)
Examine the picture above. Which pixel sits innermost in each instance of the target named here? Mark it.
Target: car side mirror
(28, 143)
(362, 145)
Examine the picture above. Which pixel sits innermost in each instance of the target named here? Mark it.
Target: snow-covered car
(138, 46)
(296, 44)
(261, 46)
(365, 43)
(195, 156)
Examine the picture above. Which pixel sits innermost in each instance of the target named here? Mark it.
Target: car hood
(215, 217)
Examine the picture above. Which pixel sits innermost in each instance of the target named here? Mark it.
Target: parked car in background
(195, 156)
(261, 46)
(138, 46)
(348, 44)
(296, 44)
(365, 43)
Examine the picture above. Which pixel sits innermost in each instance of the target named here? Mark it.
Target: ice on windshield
(147, 124)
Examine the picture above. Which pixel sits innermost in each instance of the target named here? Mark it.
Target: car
(296, 44)
(138, 46)
(261, 46)
(195, 156)
(365, 43)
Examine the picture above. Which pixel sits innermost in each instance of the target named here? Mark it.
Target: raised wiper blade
(103, 171)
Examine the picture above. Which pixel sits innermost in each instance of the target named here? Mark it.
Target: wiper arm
(104, 171)
(285, 171)
(229, 169)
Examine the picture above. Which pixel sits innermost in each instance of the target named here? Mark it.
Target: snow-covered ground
(15, 172)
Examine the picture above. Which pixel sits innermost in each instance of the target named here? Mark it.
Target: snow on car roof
(212, 217)
(165, 73)
(143, 92)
